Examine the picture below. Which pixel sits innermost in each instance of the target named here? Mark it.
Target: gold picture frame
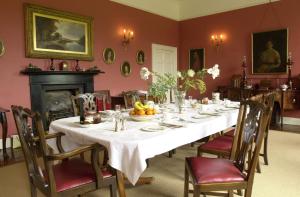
(140, 57)
(270, 52)
(125, 69)
(2, 48)
(109, 55)
(57, 34)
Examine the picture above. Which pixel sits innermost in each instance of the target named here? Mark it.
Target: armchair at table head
(68, 177)
(92, 102)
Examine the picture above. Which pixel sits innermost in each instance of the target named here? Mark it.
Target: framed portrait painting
(197, 59)
(140, 57)
(269, 52)
(109, 55)
(56, 34)
(125, 69)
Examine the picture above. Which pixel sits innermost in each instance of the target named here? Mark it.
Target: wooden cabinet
(291, 99)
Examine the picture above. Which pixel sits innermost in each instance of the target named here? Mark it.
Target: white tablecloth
(129, 149)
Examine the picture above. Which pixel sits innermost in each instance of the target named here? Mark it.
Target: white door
(164, 60)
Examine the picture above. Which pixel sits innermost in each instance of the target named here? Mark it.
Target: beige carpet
(281, 178)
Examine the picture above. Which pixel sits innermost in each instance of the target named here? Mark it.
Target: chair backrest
(90, 102)
(106, 93)
(30, 146)
(254, 125)
(130, 97)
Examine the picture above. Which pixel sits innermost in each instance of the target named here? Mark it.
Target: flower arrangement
(187, 80)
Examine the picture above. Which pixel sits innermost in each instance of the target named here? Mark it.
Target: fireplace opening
(58, 104)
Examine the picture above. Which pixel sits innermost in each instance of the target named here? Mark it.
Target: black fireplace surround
(50, 91)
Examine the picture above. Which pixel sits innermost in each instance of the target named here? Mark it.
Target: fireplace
(50, 92)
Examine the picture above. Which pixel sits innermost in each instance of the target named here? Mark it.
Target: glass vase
(180, 100)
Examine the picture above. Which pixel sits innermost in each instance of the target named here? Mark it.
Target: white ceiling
(186, 9)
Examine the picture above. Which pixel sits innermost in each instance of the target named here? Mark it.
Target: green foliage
(163, 83)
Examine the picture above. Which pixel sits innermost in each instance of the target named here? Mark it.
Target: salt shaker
(123, 124)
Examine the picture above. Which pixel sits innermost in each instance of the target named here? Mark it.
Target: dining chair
(212, 175)
(60, 174)
(91, 102)
(130, 97)
(105, 99)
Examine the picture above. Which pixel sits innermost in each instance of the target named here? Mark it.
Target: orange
(149, 112)
(140, 112)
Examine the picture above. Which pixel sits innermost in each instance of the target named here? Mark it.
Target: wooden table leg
(121, 184)
(4, 134)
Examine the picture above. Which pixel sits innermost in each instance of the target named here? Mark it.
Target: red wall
(109, 20)
(238, 26)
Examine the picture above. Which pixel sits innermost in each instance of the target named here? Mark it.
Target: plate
(142, 118)
(199, 116)
(153, 128)
(209, 113)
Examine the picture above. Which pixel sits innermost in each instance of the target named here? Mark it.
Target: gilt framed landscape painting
(197, 59)
(269, 52)
(56, 34)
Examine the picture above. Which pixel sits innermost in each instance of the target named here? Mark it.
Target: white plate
(199, 116)
(153, 128)
(209, 113)
(142, 118)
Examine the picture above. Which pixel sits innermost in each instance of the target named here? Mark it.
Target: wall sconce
(217, 40)
(127, 36)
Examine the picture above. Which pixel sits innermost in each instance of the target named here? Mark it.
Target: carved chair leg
(113, 190)
(266, 148)
(33, 189)
(186, 183)
(258, 166)
(240, 192)
(196, 191)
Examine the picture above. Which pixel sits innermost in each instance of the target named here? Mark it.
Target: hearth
(50, 92)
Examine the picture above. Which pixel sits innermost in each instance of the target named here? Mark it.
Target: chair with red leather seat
(62, 174)
(212, 175)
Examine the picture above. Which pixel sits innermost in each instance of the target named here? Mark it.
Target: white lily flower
(179, 74)
(145, 73)
(191, 73)
(214, 71)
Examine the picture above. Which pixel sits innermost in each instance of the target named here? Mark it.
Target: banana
(138, 105)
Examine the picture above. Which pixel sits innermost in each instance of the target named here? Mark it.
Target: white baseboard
(291, 121)
(16, 142)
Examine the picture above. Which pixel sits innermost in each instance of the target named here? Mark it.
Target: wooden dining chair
(212, 175)
(60, 174)
(225, 146)
(91, 102)
(130, 97)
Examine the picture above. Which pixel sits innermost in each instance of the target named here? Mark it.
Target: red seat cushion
(99, 104)
(74, 173)
(214, 170)
(222, 143)
(230, 133)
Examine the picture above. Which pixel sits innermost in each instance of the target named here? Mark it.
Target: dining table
(141, 139)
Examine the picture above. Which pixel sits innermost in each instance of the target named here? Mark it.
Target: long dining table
(129, 149)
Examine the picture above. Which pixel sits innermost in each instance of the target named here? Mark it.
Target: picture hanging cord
(269, 4)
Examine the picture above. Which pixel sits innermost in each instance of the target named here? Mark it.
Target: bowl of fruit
(142, 112)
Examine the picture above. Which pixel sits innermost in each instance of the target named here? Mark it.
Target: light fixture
(217, 40)
(127, 36)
